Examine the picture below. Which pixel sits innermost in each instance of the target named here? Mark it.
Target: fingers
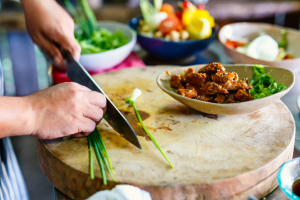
(96, 99)
(50, 49)
(77, 51)
(68, 42)
(86, 126)
(94, 113)
(80, 134)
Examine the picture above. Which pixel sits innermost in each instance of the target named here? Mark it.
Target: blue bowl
(171, 50)
(287, 175)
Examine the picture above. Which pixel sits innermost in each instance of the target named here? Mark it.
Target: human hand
(48, 22)
(65, 109)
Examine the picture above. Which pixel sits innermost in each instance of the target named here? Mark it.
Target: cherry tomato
(168, 25)
(187, 4)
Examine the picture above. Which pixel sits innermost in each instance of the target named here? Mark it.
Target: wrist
(30, 116)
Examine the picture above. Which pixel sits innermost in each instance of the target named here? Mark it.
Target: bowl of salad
(173, 34)
(261, 43)
(108, 47)
(104, 44)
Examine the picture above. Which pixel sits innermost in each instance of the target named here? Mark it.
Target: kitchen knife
(114, 117)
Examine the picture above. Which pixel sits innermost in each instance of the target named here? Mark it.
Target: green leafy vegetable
(89, 36)
(264, 85)
(136, 93)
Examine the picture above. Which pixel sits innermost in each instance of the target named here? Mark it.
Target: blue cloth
(12, 185)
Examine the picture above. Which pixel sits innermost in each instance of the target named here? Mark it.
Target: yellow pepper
(189, 16)
(199, 28)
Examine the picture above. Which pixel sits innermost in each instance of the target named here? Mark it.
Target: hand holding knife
(114, 117)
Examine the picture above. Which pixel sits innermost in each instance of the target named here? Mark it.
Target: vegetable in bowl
(263, 47)
(264, 85)
(91, 38)
(102, 40)
(187, 23)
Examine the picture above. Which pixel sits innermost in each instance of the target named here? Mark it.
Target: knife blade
(114, 117)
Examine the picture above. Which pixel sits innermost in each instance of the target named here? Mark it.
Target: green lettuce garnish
(89, 36)
(101, 40)
(264, 85)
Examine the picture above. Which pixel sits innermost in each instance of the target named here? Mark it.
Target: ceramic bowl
(287, 175)
(111, 58)
(244, 71)
(251, 31)
(164, 49)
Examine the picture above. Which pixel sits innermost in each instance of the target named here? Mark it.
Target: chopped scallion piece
(136, 93)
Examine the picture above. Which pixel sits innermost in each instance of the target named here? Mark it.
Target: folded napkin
(122, 192)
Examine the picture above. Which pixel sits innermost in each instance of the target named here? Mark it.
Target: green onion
(91, 159)
(136, 93)
(86, 19)
(100, 163)
(104, 150)
(100, 147)
(95, 139)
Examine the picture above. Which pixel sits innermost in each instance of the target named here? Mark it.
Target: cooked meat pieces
(243, 95)
(206, 98)
(210, 88)
(230, 99)
(187, 93)
(220, 98)
(212, 84)
(191, 86)
(212, 68)
(223, 77)
(189, 71)
(235, 85)
(176, 81)
(196, 78)
(236, 76)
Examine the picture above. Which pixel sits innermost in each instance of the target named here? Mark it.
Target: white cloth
(122, 192)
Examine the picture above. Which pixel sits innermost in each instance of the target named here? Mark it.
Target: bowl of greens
(104, 44)
(107, 47)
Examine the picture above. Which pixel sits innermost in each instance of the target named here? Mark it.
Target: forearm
(16, 117)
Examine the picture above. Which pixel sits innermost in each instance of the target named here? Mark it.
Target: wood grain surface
(216, 157)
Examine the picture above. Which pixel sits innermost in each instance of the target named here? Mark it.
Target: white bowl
(244, 71)
(251, 31)
(111, 58)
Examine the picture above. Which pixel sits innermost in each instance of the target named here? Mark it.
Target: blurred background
(26, 69)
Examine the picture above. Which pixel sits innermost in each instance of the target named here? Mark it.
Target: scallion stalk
(104, 150)
(101, 153)
(136, 93)
(100, 162)
(91, 159)
(98, 144)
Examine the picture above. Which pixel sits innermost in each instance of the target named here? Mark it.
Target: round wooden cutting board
(216, 157)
